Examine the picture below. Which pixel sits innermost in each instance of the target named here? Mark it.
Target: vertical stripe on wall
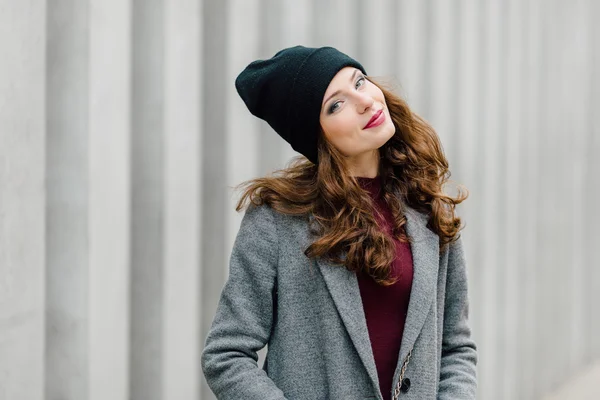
(577, 63)
(67, 201)
(543, 315)
(109, 194)
(443, 89)
(147, 201)
(182, 159)
(491, 355)
(531, 152)
(334, 23)
(374, 42)
(592, 192)
(214, 165)
(412, 54)
(511, 196)
(22, 199)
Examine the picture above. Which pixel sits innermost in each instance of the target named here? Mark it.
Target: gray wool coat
(309, 313)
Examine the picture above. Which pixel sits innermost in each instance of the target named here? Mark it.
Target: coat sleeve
(242, 324)
(459, 354)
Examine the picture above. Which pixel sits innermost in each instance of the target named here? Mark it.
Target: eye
(360, 81)
(334, 107)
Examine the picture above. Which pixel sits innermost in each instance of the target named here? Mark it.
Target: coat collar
(343, 286)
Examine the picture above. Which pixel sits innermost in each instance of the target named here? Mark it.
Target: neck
(365, 165)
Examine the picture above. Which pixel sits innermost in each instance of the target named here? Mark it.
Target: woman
(348, 264)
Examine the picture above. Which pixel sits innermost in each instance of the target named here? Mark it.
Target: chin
(387, 134)
(382, 140)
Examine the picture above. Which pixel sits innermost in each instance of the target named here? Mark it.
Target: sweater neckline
(371, 185)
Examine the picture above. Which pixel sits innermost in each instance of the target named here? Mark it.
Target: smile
(376, 120)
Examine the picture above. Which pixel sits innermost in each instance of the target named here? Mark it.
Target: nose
(364, 102)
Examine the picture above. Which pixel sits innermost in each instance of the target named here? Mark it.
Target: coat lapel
(425, 253)
(343, 286)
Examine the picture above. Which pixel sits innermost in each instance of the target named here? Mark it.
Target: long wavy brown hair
(413, 171)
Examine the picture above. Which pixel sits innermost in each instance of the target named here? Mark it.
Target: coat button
(405, 385)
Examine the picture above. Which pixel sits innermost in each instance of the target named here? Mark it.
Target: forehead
(340, 80)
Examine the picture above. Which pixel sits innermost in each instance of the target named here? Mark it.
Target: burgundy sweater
(385, 307)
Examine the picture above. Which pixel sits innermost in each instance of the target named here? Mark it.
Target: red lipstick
(376, 120)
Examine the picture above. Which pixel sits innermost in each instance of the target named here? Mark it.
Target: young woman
(348, 264)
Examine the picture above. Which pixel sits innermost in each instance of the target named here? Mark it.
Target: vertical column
(182, 241)
(491, 149)
(530, 155)
(592, 192)
(502, 187)
(22, 198)
(215, 163)
(377, 27)
(297, 22)
(67, 228)
(109, 198)
(514, 137)
(561, 214)
(443, 59)
(341, 24)
(334, 23)
(412, 55)
(147, 201)
(545, 339)
(577, 53)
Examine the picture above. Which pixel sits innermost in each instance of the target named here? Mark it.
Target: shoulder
(258, 218)
(258, 212)
(267, 232)
(265, 217)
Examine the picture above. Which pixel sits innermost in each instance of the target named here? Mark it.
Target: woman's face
(354, 116)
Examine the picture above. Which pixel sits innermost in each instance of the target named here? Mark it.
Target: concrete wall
(121, 136)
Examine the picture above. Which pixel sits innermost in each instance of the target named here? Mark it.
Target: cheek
(340, 134)
(337, 129)
(376, 93)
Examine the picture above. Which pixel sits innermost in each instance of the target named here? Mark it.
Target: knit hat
(287, 91)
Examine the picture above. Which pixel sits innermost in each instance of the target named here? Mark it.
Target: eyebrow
(338, 91)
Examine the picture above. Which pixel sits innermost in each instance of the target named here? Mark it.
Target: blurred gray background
(121, 137)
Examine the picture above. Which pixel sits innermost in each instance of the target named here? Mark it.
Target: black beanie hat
(287, 91)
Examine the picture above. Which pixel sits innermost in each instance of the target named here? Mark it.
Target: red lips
(376, 120)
